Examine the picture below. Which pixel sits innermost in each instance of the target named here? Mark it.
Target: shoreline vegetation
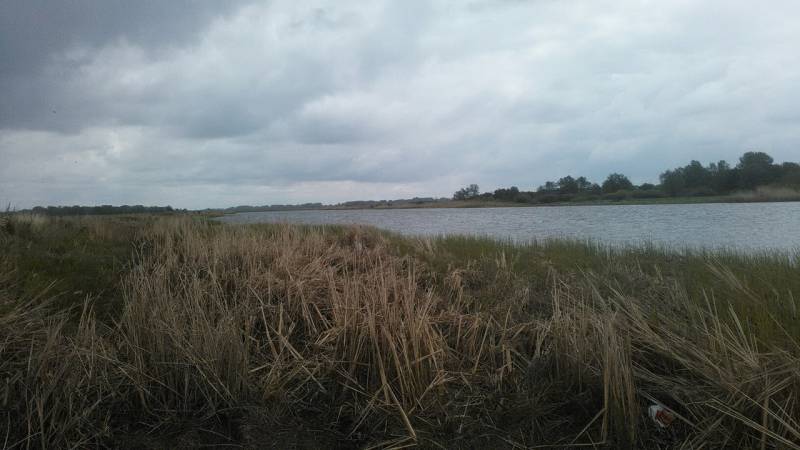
(759, 195)
(756, 178)
(154, 331)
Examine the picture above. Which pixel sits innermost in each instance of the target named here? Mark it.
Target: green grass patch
(74, 259)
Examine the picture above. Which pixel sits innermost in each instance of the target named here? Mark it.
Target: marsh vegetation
(177, 331)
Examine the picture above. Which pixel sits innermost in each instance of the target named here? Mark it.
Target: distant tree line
(398, 203)
(754, 170)
(98, 210)
(355, 204)
(262, 208)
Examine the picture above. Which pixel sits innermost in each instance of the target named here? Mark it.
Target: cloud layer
(196, 104)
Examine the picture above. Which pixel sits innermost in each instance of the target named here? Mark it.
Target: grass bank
(163, 332)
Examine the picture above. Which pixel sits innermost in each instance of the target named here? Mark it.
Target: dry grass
(337, 332)
(57, 383)
(34, 222)
(767, 193)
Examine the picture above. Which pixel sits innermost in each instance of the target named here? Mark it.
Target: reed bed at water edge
(290, 336)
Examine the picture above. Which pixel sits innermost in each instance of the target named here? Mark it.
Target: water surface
(740, 226)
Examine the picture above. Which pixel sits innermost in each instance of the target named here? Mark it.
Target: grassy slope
(355, 337)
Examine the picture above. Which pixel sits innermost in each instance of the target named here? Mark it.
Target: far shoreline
(470, 204)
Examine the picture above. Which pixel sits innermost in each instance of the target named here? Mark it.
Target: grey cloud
(274, 102)
(35, 33)
(31, 31)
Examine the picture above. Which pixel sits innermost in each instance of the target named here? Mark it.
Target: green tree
(548, 186)
(673, 181)
(790, 174)
(647, 187)
(568, 185)
(616, 182)
(695, 175)
(723, 178)
(467, 193)
(509, 194)
(756, 169)
(583, 184)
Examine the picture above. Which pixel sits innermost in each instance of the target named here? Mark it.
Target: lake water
(741, 226)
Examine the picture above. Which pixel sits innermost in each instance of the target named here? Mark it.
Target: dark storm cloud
(31, 31)
(34, 33)
(201, 103)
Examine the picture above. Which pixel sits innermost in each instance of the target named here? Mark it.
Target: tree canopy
(467, 193)
(754, 169)
(99, 210)
(616, 182)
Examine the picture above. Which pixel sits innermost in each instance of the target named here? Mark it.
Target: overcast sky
(218, 103)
